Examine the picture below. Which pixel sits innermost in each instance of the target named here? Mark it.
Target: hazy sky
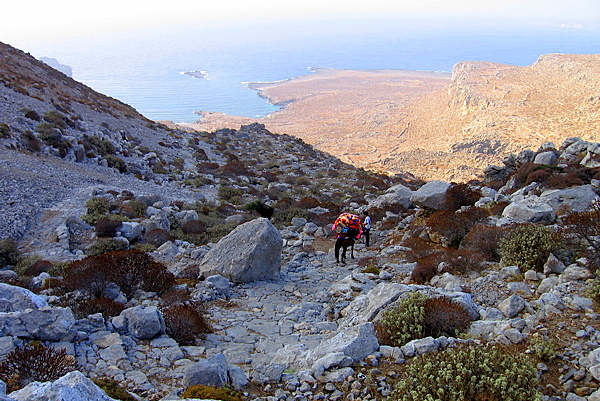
(30, 21)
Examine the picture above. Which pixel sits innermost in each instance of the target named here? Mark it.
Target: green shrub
(56, 119)
(9, 254)
(226, 192)
(543, 349)
(402, 322)
(113, 389)
(417, 316)
(104, 246)
(34, 362)
(116, 163)
(97, 205)
(527, 246)
(468, 373)
(203, 392)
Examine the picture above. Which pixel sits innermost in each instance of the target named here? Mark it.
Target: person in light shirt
(366, 224)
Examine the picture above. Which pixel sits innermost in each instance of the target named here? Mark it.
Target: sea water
(174, 73)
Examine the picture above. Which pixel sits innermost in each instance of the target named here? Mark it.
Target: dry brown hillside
(433, 126)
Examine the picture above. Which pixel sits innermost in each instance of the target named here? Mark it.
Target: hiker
(366, 226)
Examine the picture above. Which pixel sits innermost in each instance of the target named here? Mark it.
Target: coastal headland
(435, 125)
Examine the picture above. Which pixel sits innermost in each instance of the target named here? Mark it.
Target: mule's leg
(344, 248)
(352, 250)
(338, 244)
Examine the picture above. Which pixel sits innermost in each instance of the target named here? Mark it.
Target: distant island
(196, 74)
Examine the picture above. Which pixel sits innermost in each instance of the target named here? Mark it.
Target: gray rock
(13, 298)
(73, 386)
(131, 230)
(431, 195)
(512, 306)
(209, 372)
(553, 265)
(547, 284)
(143, 322)
(365, 307)
(575, 272)
(530, 210)
(335, 359)
(420, 346)
(237, 377)
(575, 199)
(398, 195)
(356, 342)
(548, 158)
(220, 284)
(251, 252)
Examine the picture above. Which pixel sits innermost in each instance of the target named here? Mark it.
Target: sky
(26, 22)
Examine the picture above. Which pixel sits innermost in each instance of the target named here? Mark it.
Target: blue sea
(146, 68)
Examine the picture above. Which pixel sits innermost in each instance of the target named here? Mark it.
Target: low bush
(444, 317)
(426, 268)
(113, 389)
(261, 208)
(105, 246)
(157, 237)
(130, 270)
(108, 307)
(581, 232)
(468, 373)
(184, 323)
(34, 362)
(107, 227)
(202, 392)
(484, 239)
(402, 322)
(9, 254)
(459, 195)
(528, 246)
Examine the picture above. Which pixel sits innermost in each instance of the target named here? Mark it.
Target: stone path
(299, 309)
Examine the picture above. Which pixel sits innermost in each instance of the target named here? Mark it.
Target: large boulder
(45, 324)
(251, 252)
(13, 298)
(73, 386)
(396, 196)
(531, 209)
(431, 195)
(576, 199)
(142, 322)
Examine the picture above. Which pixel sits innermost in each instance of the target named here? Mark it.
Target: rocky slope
(308, 332)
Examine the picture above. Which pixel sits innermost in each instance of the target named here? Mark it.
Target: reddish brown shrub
(461, 261)
(459, 195)
(581, 231)
(427, 268)
(484, 239)
(308, 203)
(106, 306)
(107, 227)
(194, 227)
(157, 237)
(445, 318)
(185, 323)
(130, 270)
(38, 267)
(419, 247)
(34, 362)
(449, 228)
